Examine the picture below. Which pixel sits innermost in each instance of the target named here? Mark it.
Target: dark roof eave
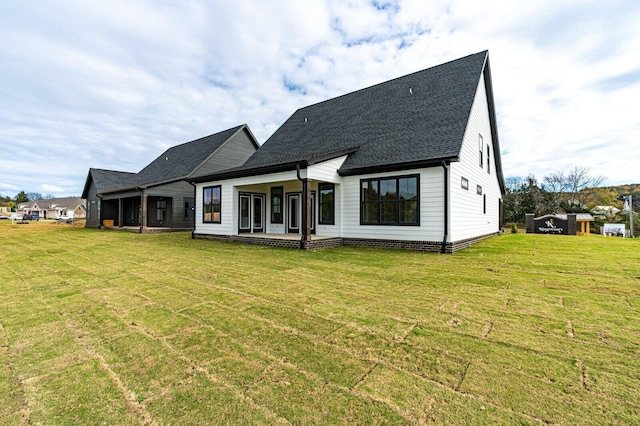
(254, 171)
(437, 162)
(113, 191)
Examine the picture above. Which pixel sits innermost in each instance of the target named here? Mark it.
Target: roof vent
(305, 119)
(411, 90)
(166, 158)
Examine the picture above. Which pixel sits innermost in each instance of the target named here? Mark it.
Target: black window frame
(484, 203)
(481, 151)
(212, 204)
(488, 159)
(326, 186)
(274, 196)
(478, 189)
(378, 203)
(464, 183)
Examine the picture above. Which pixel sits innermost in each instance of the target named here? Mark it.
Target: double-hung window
(161, 210)
(211, 204)
(481, 151)
(488, 159)
(390, 201)
(327, 203)
(277, 194)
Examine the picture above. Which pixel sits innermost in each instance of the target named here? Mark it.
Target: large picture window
(211, 204)
(389, 201)
(277, 193)
(327, 203)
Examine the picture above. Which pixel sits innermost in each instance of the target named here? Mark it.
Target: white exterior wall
(231, 189)
(467, 219)
(347, 204)
(431, 209)
(327, 171)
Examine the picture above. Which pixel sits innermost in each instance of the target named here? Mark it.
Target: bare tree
(556, 184)
(579, 180)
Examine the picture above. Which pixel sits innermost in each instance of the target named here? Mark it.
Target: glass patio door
(251, 213)
(294, 212)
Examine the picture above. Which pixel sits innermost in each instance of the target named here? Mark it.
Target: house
(605, 211)
(410, 163)
(159, 196)
(52, 208)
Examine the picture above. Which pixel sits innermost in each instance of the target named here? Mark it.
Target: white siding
(466, 206)
(431, 209)
(326, 171)
(230, 190)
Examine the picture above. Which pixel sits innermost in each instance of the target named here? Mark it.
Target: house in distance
(413, 162)
(159, 196)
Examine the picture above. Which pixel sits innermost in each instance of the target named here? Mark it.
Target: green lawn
(100, 327)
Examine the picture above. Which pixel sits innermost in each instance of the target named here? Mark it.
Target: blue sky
(112, 84)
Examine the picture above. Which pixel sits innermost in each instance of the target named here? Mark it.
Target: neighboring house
(411, 163)
(52, 208)
(604, 211)
(159, 197)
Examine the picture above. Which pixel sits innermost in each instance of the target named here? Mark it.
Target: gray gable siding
(179, 162)
(234, 152)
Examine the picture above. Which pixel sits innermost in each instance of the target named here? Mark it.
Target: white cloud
(113, 84)
(51, 189)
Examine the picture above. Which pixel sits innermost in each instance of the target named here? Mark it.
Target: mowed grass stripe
(174, 330)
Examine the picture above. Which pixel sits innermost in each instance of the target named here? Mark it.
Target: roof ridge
(392, 80)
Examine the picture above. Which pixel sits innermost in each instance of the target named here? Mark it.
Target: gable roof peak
(421, 116)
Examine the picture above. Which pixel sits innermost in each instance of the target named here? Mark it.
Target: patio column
(143, 208)
(306, 215)
(120, 212)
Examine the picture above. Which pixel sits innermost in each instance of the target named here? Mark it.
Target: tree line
(572, 191)
(22, 197)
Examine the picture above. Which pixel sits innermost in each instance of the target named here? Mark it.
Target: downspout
(443, 249)
(194, 211)
(303, 236)
(99, 210)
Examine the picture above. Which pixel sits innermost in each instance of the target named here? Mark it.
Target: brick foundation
(273, 242)
(427, 246)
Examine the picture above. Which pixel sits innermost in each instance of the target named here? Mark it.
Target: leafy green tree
(21, 198)
(525, 196)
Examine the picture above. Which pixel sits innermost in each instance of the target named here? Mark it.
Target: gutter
(446, 208)
(304, 224)
(193, 231)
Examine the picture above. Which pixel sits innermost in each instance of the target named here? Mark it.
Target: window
(464, 183)
(389, 201)
(327, 203)
(276, 204)
(211, 205)
(484, 204)
(478, 190)
(161, 210)
(481, 149)
(488, 159)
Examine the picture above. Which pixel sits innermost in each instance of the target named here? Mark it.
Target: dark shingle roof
(176, 163)
(106, 180)
(180, 161)
(51, 203)
(420, 117)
